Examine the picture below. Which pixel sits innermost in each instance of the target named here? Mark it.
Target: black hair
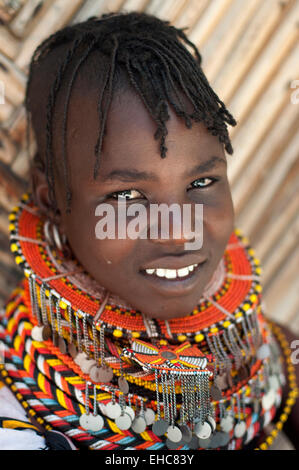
(159, 62)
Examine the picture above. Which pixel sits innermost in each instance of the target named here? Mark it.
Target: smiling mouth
(172, 274)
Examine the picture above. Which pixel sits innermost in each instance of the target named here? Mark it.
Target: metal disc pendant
(212, 422)
(104, 374)
(81, 356)
(139, 425)
(186, 433)
(224, 438)
(221, 381)
(149, 416)
(219, 439)
(91, 422)
(173, 445)
(113, 410)
(129, 411)
(83, 421)
(102, 408)
(227, 423)
(55, 339)
(95, 423)
(263, 352)
(46, 332)
(123, 422)
(240, 429)
(194, 443)
(123, 385)
(73, 351)
(203, 431)
(86, 365)
(160, 427)
(174, 434)
(205, 443)
(268, 400)
(62, 345)
(215, 393)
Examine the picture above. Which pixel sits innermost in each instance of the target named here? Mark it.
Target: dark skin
(129, 144)
(118, 265)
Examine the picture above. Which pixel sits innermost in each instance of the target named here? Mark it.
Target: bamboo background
(250, 56)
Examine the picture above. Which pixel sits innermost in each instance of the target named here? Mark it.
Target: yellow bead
(258, 270)
(47, 292)
(258, 288)
(163, 342)
(12, 227)
(214, 330)
(12, 217)
(117, 333)
(264, 446)
(238, 231)
(62, 304)
(182, 338)
(14, 247)
(274, 432)
(25, 197)
(283, 417)
(239, 314)
(226, 324)
(253, 298)
(135, 334)
(279, 425)
(19, 259)
(246, 307)
(269, 440)
(251, 251)
(245, 240)
(256, 261)
(198, 338)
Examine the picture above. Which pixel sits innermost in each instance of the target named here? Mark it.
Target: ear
(40, 193)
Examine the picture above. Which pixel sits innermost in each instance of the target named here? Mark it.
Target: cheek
(90, 251)
(219, 220)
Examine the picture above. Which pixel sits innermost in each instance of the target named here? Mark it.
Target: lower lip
(175, 287)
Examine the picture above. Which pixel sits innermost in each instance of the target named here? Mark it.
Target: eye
(127, 194)
(202, 183)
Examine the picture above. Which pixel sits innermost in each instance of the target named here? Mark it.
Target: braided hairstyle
(131, 50)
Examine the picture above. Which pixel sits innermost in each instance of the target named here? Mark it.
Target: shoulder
(16, 433)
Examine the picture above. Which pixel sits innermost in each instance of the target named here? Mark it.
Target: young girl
(123, 342)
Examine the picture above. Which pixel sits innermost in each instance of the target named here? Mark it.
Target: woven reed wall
(250, 55)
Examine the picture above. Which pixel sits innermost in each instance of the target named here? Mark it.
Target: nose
(174, 225)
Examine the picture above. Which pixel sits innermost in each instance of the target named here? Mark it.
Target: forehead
(129, 138)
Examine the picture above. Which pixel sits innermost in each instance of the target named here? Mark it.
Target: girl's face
(193, 172)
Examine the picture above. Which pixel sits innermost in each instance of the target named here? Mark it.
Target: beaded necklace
(208, 380)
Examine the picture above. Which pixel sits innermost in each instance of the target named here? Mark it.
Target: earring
(55, 238)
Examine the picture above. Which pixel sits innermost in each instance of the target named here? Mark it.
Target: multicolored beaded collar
(201, 381)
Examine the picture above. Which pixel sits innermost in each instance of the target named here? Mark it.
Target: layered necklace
(89, 365)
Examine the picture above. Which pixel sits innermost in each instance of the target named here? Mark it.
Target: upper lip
(172, 262)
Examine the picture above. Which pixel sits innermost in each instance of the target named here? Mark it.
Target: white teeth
(183, 272)
(171, 273)
(160, 272)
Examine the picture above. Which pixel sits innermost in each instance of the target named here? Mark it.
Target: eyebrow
(128, 175)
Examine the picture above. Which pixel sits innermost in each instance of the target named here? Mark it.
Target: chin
(168, 310)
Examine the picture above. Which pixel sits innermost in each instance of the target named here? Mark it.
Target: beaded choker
(208, 380)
